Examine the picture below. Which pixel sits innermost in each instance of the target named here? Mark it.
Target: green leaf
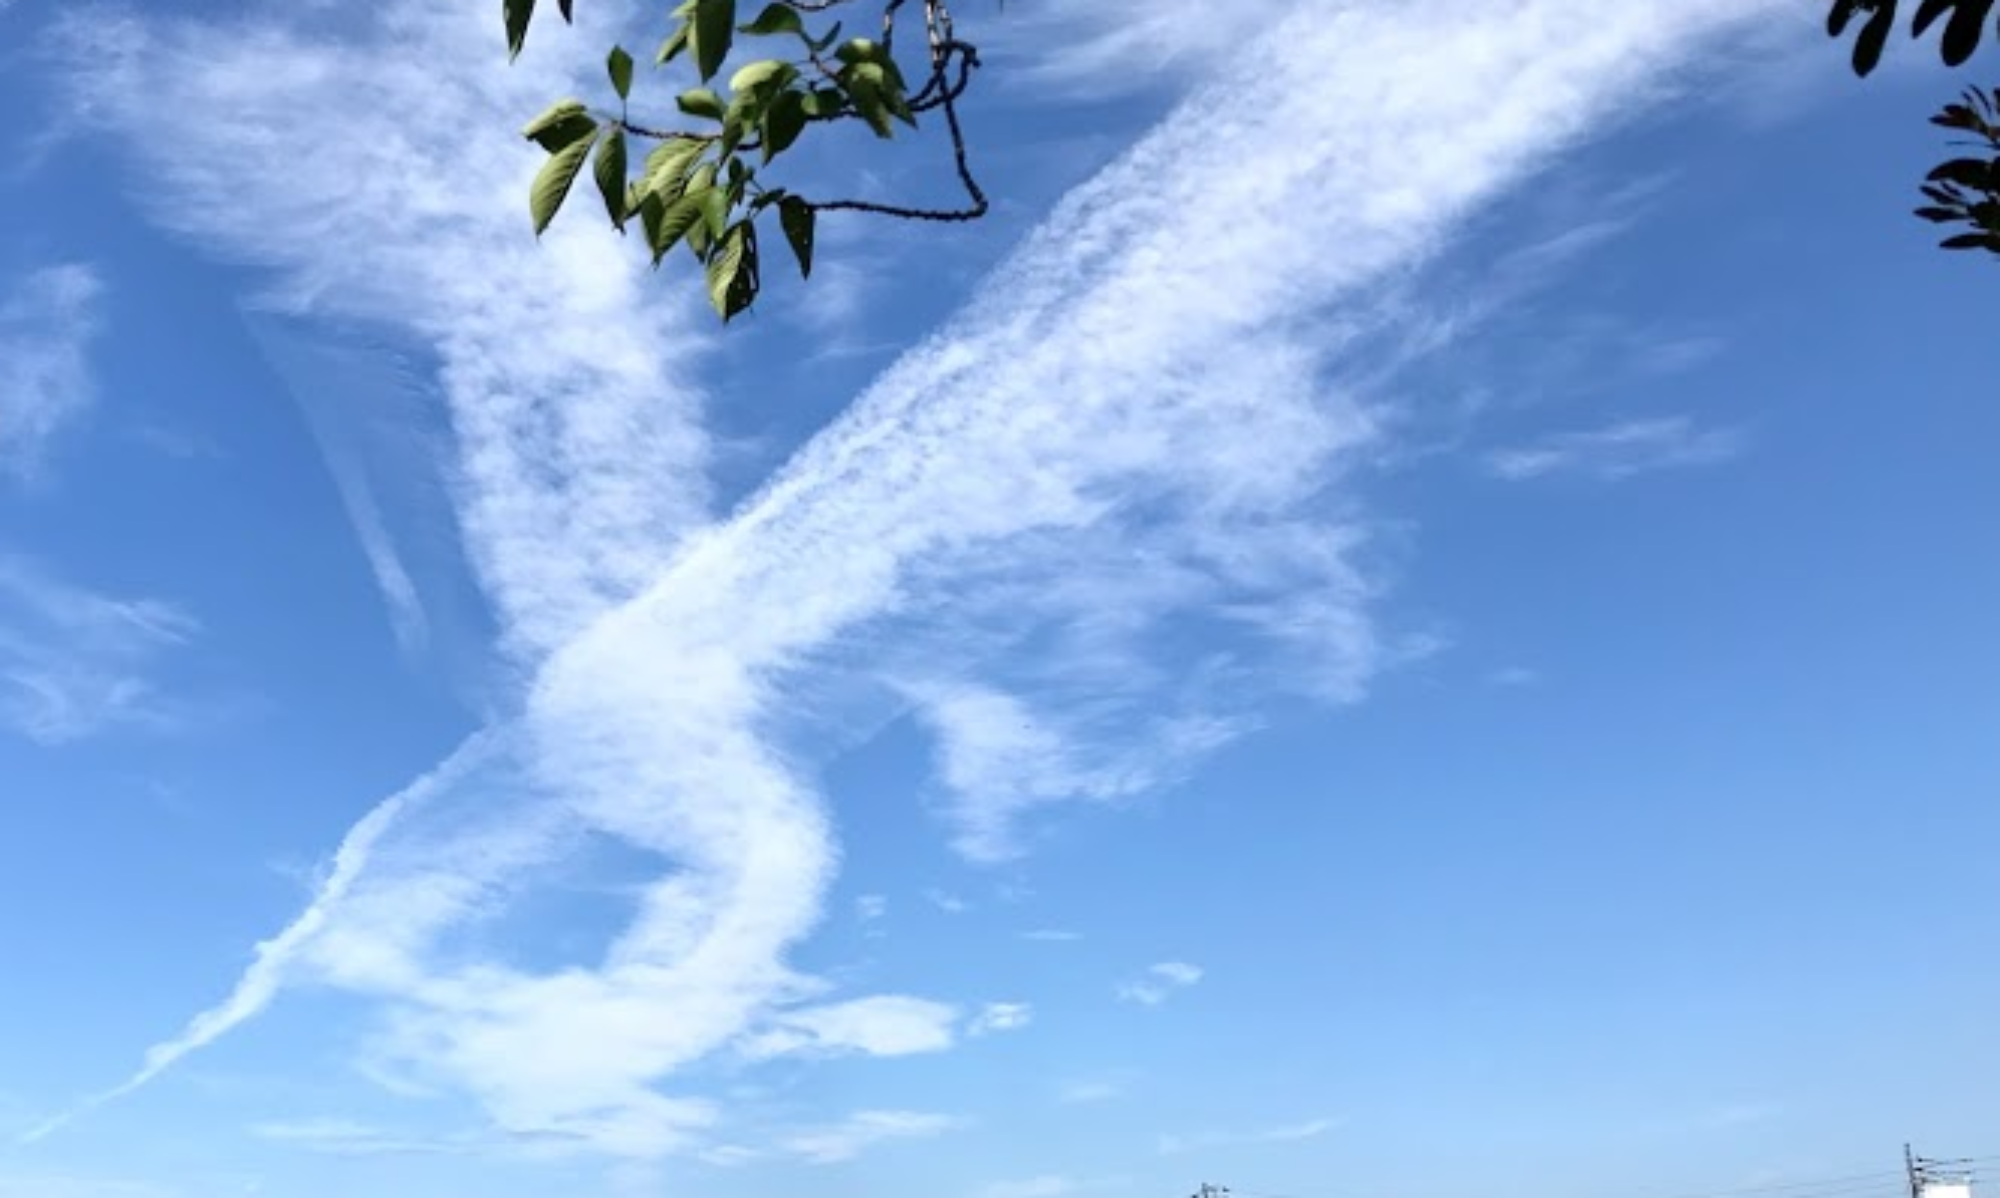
(714, 27)
(745, 110)
(824, 103)
(859, 49)
(799, 221)
(866, 84)
(714, 203)
(776, 18)
(676, 42)
(766, 73)
(565, 122)
(784, 120)
(553, 181)
(667, 223)
(832, 36)
(700, 101)
(516, 13)
(726, 271)
(619, 65)
(668, 166)
(610, 171)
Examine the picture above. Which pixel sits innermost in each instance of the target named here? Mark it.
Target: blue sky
(1412, 615)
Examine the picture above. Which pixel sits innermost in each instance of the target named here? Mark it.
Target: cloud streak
(847, 1139)
(1137, 430)
(48, 322)
(1619, 451)
(1159, 983)
(74, 663)
(1287, 1133)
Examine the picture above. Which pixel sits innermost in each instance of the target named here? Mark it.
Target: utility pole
(1211, 1191)
(1931, 1177)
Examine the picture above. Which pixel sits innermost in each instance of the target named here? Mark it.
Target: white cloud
(1159, 983)
(1088, 1090)
(1090, 49)
(1052, 935)
(847, 1139)
(566, 375)
(1138, 422)
(869, 908)
(1001, 1017)
(883, 1026)
(342, 1137)
(1047, 1185)
(59, 1185)
(1619, 451)
(1002, 758)
(946, 901)
(74, 662)
(48, 321)
(1310, 1129)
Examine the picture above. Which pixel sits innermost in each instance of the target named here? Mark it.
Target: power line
(1885, 1183)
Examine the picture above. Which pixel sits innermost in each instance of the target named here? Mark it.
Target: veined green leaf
(667, 223)
(610, 171)
(668, 166)
(714, 203)
(553, 181)
(726, 271)
(563, 123)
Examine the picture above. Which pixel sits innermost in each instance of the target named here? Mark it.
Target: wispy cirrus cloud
(1089, 1090)
(48, 323)
(1284, 1133)
(883, 1026)
(344, 1137)
(74, 662)
(1052, 935)
(849, 1138)
(1159, 983)
(578, 426)
(1619, 451)
(1046, 1185)
(1138, 428)
(1000, 1017)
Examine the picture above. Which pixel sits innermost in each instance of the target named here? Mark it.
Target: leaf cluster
(703, 188)
(1963, 190)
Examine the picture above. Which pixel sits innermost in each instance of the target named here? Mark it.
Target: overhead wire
(1881, 1183)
